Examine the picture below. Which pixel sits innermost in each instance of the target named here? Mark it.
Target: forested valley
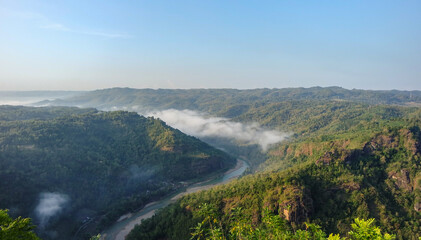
(65, 167)
(350, 166)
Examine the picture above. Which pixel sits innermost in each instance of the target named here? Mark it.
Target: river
(127, 222)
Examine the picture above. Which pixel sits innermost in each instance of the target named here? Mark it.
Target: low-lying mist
(50, 205)
(19, 101)
(199, 125)
(31, 98)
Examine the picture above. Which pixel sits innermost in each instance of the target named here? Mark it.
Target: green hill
(229, 102)
(345, 161)
(351, 154)
(99, 165)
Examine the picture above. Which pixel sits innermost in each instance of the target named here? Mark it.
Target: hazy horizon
(89, 45)
(198, 88)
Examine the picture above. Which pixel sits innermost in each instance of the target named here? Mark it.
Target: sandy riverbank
(133, 222)
(126, 230)
(239, 165)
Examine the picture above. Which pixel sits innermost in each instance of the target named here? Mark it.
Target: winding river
(127, 222)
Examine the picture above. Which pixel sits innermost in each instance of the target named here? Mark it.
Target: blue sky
(86, 45)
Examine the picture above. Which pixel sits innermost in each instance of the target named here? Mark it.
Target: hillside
(349, 154)
(296, 111)
(228, 102)
(92, 165)
(345, 161)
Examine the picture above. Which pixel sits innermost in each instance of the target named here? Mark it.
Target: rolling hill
(65, 166)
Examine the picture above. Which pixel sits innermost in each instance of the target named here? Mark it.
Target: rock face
(293, 203)
(297, 205)
(341, 155)
(407, 141)
(417, 205)
(326, 159)
(402, 179)
(417, 190)
(410, 141)
(380, 142)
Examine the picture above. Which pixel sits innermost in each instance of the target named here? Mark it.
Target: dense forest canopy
(227, 102)
(91, 163)
(350, 155)
(345, 160)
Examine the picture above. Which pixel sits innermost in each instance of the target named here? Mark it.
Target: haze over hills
(194, 110)
(319, 155)
(215, 100)
(205, 120)
(66, 166)
(30, 97)
(345, 159)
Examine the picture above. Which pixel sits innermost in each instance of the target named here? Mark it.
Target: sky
(96, 44)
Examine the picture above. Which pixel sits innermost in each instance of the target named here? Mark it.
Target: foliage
(365, 231)
(231, 102)
(361, 161)
(97, 237)
(349, 157)
(108, 163)
(14, 229)
(273, 227)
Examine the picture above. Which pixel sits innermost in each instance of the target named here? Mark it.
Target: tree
(363, 230)
(15, 229)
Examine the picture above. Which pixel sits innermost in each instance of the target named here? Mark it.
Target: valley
(122, 228)
(88, 165)
(210, 120)
(322, 161)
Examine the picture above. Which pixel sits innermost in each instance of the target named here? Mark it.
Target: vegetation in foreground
(344, 163)
(274, 227)
(95, 165)
(14, 229)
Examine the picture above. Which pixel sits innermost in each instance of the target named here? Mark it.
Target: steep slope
(92, 165)
(358, 162)
(299, 111)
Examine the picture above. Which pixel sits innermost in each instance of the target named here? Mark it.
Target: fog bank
(199, 125)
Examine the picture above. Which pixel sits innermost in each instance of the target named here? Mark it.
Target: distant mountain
(66, 166)
(226, 102)
(29, 97)
(350, 154)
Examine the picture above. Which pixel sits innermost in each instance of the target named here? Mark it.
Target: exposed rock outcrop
(402, 179)
(341, 155)
(291, 202)
(410, 142)
(380, 142)
(296, 205)
(417, 205)
(297, 209)
(326, 159)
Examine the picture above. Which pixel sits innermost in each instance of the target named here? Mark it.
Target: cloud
(46, 23)
(18, 102)
(50, 205)
(57, 27)
(137, 173)
(60, 27)
(197, 124)
(105, 34)
(22, 14)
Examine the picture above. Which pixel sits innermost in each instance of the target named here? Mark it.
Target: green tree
(364, 230)
(97, 237)
(15, 229)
